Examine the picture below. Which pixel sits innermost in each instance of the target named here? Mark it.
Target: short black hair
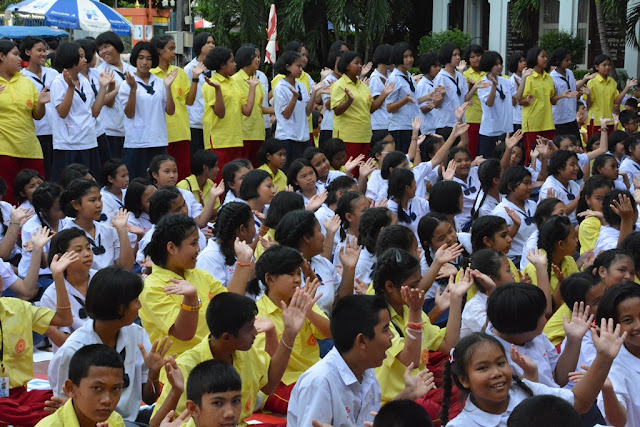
(109, 37)
(626, 116)
(161, 201)
(345, 59)
(90, 48)
(613, 296)
(489, 60)
(342, 183)
(288, 58)
(245, 55)
(110, 292)
(630, 244)
(575, 287)
(252, 180)
(295, 46)
(199, 41)
(202, 158)
(212, 376)
(354, 315)
(217, 57)
(397, 55)
(544, 410)
(67, 56)
(229, 312)
(138, 48)
(22, 179)
(630, 143)
(61, 240)
(428, 60)
(532, 56)
(109, 169)
(559, 159)
(72, 172)
(275, 261)
(446, 53)
(171, 228)
(74, 193)
(98, 355)
(270, 146)
(283, 202)
(294, 169)
(27, 44)
(402, 413)
(514, 59)
(160, 42)
(444, 197)
(511, 178)
(515, 308)
(558, 56)
(472, 48)
(332, 147)
(612, 218)
(382, 55)
(133, 196)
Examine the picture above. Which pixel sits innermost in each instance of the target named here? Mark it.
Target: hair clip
(451, 355)
(398, 256)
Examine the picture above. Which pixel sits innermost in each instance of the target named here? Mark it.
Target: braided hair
(372, 222)
(230, 217)
(295, 226)
(44, 198)
(556, 229)
(345, 206)
(395, 266)
(275, 261)
(488, 171)
(399, 180)
(395, 236)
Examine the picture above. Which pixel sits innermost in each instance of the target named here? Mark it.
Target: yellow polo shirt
(474, 111)
(305, 348)
(18, 100)
(178, 123)
(252, 365)
(159, 310)
(279, 179)
(66, 416)
(252, 126)
(537, 116)
(568, 267)
(603, 93)
(190, 183)
(223, 132)
(354, 125)
(588, 233)
(391, 373)
(259, 248)
(554, 329)
(305, 79)
(18, 319)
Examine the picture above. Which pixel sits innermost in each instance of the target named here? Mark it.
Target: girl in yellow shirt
(273, 156)
(590, 208)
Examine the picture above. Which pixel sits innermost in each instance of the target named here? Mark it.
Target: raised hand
(382, 203)
(243, 251)
(446, 254)
(631, 83)
(607, 340)
(155, 358)
(570, 94)
(168, 421)
(106, 78)
(316, 201)
(198, 69)
(366, 68)
(366, 168)
(21, 215)
(40, 239)
(350, 252)
(525, 363)
(462, 65)
(413, 297)
(580, 321)
(442, 300)
(180, 287)
(260, 215)
(262, 324)
(512, 140)
(487, 282)
(360, 287)
(215, 84)
(460, 129)
(387, 89)
(168, 81)
(527, 72)
(460, 111)
(460, 288)
(294, 315)
(324, 73)
(447, 270)
(418, 386)
(43, 98)
(131, 81)
(60, 263)
(120, 219)
(623, 207)
(331, 225)
(513, 215)
(266, 243)
(311, 288)
(450, 171)
(352, 163)
(67, 78)
(416, 123)
(217, 190)
(537, 258)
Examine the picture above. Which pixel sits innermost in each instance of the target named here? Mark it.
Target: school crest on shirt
(248, 407)
(29, 103)
(21, 346)
(180, 92)
(312, 341)
(424, 356)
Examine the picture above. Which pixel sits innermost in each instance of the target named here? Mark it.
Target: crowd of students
(377, 248)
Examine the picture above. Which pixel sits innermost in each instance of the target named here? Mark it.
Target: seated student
(137, 201)
(214, 398)
(176, 293)
(115, 180)
(112, 306)
(94, 385)
(233, 328)
(283, 202)
(327, 211)
(24, 184)
(302, 177)
(607, 166)
(589, 209)
(349, 209)
(361, 329)
(545, 210)
(629, 245)
(403, 202)
(19, 319)
(232, 174)
(629, 118)
(563, 171)
(372, 222)
(621, 214)
(466, 174)
(517, 315)
(546, 410)
(75, 171)
(257, 191)
(27, 288)
(273, 157)
(402, 413)
(11, 222)
(631, 165)
(204, 172)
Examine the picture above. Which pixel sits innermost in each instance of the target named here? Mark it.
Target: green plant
(579, 74)
(553, 40)
(523, 15)
(433, 41)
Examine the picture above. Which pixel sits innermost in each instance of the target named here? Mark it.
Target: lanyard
(1, 348)
(455, 82)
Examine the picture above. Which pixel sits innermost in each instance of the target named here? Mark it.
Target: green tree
(433, 41)
(553, 40)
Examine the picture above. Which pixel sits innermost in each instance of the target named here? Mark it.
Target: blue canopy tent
(18, 33)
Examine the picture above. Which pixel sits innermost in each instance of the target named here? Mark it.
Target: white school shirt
(416, 209)
(401, 119)
(26, 205)
(608, 239)
(517, 109)
(540, 350)
(195, 111)
(143, 222)
(587, 355)
(421, 173)
(470, 190)
(365, 266)
(193, 207)
(296, 127)
(212, 260)
(94, 82)
(625, 377)
(343, 400)
(126, 344)
(488, 205)
(380, 117)
(565, 109)
(447, 112)
(472, 416)
(566, 195)
(529, 244)
(631, 168)
(425, 87)
(7, 275)
(148, 127)
(28, 230)
(329, 282)
(106, 236)
(5, 208)
(499, 118)
(377, 186)
(264, 81)
(76, 300)
(474, 315)
(111, 204)
(113, 117)
(202, 242)
(324, 213)
(76, 131)
(332, 175)
(43, 126)
(230, 197)
(525, 229)
(327, 116)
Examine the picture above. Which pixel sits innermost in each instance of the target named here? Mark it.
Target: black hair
(282, 203)
(74, 193)
(342, 183)
(72, 172)
(345, 206)
(601, 162)
(395, 266)
(428, 60)
(455, 150)
(27, 44)
(295, 226)
(544, 410)
(109, 37)
(514, 59)
(160, 42)
(559, 159)
(485, 226)
(489, 170)
(592, 184)
(310, 152)
(288, 58)
(486, 261)
(378, 147)
(212, 376)
(382, 55)
(460, 362)
(109, 170)
(428, 147)
(229, 173)
(156, 162)
(294, 169)
(426, 228)
(616, 137)
(516, 308)
(245, 55)
(198, 43)
(572, 139)
(532, 56)
(67, 56)
(345, 59)
(171, 228)
(133, 196)
(97, 355)
(7, 46)
(498, 152)
(89, 46)
(606, 259)
(395, 236)
(626, 116)
(43, 199)
(402, 413)
(446, 53)
(489, 60)
(511, 178)
(217, 57)
(295, 46)
(372, 221)
(252, 180)
(613, 297)
(275, 261)
(269, 147)
(630, 143)
(230, 217)
(544, 211)
(61, 240)
(630, 244)
(399, 180)
(631, 102)
(331, 147)
(315, 117)
(354, 315)
(110, 292)
(202, 158)
(558, 56)
(612, 218)
(554, 230)
(599, 60)
(594, 139)
(138, 48)
(444, 198)
(229, 312)
(22, 179)
(335, 51)
(397, 54)
(574, 288)
(161, 201)
(472, 48)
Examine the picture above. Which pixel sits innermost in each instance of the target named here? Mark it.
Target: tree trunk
(602, 35)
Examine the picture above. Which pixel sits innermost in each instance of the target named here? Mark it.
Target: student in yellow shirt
(472, 55)
(176, 294)
(204, 171)
(273, 156)
(96, 380)
(279, 271)
(589, 210)
(224, 106)
(183, 93)
(20, 104)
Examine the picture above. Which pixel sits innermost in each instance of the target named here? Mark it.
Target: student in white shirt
(326, 127)
(621, 214)
(27, 288)
(115, 178)
(564, 110)
(430, 67)
(303, 177)
(372, 222)
(546, 209)
(202, 44)
(257, 190)
(74, 134)
(563, 171)
(455, 85)
(403, 202)
(232, 174)
(489, 195)
(466, 174)
(377, 81)
(517, 62)
(136, 201)
(350, 389)
(631, 165)
(25, 183)
(607, 166)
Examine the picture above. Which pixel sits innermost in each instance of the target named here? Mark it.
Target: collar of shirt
(164, 275)
(598, 78)
(15, 77)
(486, 419)
(159, 72)
(537, 75)
(220, 78)
(268, 305)
(627, 359)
